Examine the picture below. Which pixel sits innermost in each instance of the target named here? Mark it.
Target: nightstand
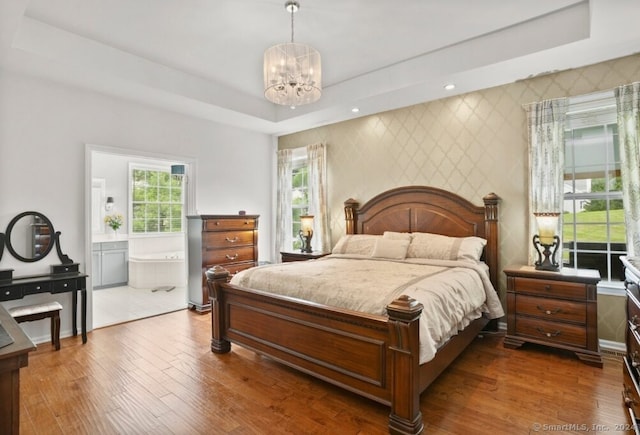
(288, 256)
(558, 309)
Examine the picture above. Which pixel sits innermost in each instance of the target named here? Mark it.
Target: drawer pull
(550, 312)
(235, 239)
(548, 334)
(634, 359)
(7, 293)
(633, 322)
(547, 287)
(626, 397)
(231, 257)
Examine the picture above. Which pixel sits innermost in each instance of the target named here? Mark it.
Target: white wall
(44, 128)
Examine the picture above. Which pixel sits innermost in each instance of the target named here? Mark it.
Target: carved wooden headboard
(429, 210)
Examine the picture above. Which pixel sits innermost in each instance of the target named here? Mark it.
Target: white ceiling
(204, 57)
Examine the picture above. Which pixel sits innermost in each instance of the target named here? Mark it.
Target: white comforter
(453, 292)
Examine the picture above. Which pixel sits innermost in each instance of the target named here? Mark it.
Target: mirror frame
(55, 240)
(14, 221)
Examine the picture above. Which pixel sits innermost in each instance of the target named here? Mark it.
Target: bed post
(216, 276)
(404, 345)
(350, 216)
(491, 234)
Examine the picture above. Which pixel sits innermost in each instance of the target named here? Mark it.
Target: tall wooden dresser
(631, 361)
(230, 241)
(557, 309)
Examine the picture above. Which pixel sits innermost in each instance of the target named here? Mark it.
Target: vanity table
(30, 237)
(55, 282)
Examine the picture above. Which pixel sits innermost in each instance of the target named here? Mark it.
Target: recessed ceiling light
(449, 86)
(355, 110)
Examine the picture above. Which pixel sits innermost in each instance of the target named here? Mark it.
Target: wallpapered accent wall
(471, 144)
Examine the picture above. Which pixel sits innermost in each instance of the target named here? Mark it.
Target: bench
(29, 313)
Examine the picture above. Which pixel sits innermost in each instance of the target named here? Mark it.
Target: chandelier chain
(292, 13)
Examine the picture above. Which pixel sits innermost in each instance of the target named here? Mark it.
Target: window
(299, 194)
(156, 201)
(593, 219)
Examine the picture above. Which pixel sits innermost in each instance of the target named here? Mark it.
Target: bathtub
(157, 270)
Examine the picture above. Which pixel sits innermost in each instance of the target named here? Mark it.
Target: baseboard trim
(613, 348)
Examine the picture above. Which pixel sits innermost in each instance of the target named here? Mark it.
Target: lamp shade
(306, 225)
(292, 74)
(547, 226)
(177, 169)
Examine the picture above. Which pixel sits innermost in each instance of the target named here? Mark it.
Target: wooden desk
(12, 358)
(53, 283)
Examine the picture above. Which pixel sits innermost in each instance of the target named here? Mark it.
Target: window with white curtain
(299, 194)
(593, 230)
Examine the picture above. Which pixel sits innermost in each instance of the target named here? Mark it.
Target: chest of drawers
(230, 241)
(631, 361)
(556, 309)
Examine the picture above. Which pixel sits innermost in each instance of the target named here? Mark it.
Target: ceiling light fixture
(449, 86)
(292, 71)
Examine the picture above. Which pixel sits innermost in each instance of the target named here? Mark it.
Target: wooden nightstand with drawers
(558, 309)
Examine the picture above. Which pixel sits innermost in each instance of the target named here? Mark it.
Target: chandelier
(292, 72)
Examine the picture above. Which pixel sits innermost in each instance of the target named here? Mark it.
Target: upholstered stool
(29, 313)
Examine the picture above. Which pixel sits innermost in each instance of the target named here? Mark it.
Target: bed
(374, 355)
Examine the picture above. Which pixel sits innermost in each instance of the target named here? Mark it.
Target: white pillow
(438, 247)
(392, 235)
(390, 249)
(361, 244)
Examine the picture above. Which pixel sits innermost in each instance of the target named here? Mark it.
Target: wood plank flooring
(158, 376)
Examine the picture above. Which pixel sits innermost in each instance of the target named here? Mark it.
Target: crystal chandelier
(292, 72)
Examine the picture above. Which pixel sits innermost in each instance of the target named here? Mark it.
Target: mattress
(453, 293)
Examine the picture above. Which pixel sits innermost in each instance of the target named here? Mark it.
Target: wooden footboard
(374, 356)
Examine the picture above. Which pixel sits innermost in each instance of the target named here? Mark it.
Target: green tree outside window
(156, 199)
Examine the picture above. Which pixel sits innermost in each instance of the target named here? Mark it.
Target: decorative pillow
(391, 249)
(438, 247)
(392, 235)
(361, 244)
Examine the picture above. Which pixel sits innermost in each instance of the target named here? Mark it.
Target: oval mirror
(30, 236)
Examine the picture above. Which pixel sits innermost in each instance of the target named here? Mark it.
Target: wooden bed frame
(374, 356)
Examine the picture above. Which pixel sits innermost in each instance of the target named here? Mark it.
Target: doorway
(137, 241)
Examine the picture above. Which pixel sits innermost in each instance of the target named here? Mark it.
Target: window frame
(299, 161)
(131, 203)
(597, 110)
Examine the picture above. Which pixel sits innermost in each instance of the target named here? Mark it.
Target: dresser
(557, 309)
(631, 361)
(230, 241)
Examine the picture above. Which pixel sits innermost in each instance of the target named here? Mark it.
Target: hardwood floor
(158, 376)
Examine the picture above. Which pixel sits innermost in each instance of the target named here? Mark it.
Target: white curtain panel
(284, 238)
(546, 124)
(317, 161)
(628, 107)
